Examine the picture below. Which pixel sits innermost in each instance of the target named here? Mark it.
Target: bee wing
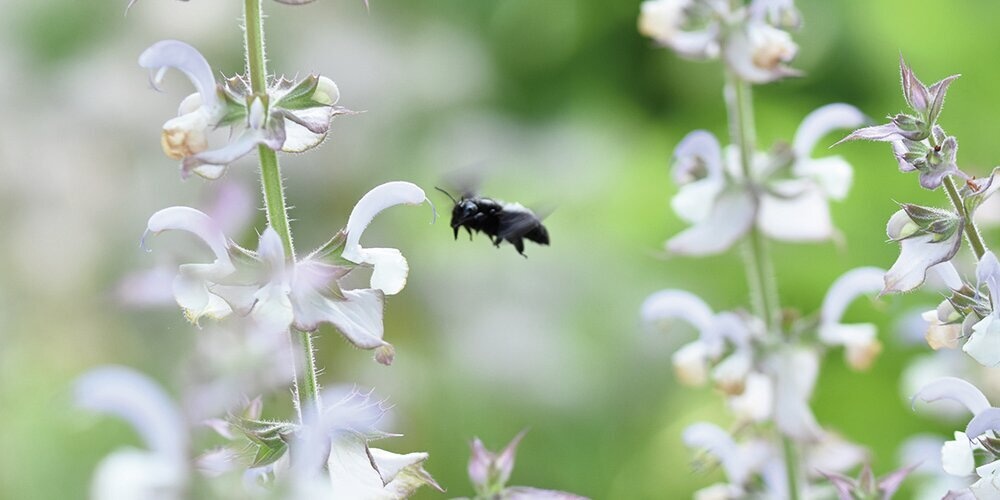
(465, 181)
(519, 222)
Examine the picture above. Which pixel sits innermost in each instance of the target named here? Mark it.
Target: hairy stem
(272, 185)
(760, 270)
(971, 231)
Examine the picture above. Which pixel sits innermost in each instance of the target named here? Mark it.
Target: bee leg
(456, 231)
(519, 245)
(468, 231)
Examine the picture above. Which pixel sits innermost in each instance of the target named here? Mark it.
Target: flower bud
(691, 364)
(326, 92)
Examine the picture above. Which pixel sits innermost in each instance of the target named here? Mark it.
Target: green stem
(272, 186)
(760, 270)
(971, 231)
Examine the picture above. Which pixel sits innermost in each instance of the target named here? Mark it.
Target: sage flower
(758, 52)
(984, 343)
(161, 470)
(957, 456)
(927, 237)
(689, 27)
(918, 143)
(277, 294)
(490, 472)
(861, 345)
(794, 188)
(291, 117)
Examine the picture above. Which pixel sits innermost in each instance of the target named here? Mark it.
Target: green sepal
(270, 438)
(301, 96)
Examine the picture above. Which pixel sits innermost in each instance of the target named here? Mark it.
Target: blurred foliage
(566, 105)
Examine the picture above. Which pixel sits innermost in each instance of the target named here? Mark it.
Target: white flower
(794, 370)
(159, 472)
(759, 52)
(277, 294)
(927, 237)
(670, 23)
(792, 205)
(859, 340)
(756, 403)
(297, 117)
(740, 462)
(984, 343)
(691, 362)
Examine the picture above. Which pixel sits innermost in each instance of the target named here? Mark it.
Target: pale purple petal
(984, 421)
(137, 399)
(480, 462)
(181, 56)
(881, 133)
(955, 389)
(823, 121)
(505, 459)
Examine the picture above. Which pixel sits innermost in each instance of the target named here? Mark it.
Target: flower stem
(760, 270)
(272, 185)
(971, 231)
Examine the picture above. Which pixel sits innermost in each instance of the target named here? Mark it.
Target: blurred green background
(564, 105)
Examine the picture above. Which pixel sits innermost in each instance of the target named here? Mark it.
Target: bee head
(464, 210)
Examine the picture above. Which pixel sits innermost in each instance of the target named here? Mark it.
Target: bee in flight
(499, 220)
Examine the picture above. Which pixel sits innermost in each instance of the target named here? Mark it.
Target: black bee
(499, 220)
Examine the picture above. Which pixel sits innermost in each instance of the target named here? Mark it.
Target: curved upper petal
(821, 122)
(983, 422)
(698, 149)
(140, 401)
(849, 286)
(670, 304)
(195, 222)
(390, 268)
(185, 58)
(955, 389)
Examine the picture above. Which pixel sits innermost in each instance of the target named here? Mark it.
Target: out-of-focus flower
(867, 485)
(917, 141)
(861, 345)
(795, 370)
(489, 473)
(927, 237)
(759, 53)
(689, 27)
(741, 462)
(692, 361)
(232, 208)
(291, 117)
(277, 294)
(793, 187)
(780, 13)
(958, 455)
(984, 343)
(159, 472)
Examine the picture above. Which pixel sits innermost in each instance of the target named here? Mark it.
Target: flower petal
(373, 202)
(917, 254)
(195, 222)
(212, 164)
(821, 122)
(832, 173)
(402, 474)
(984, 343)
(358, 317)
(181, 56)
(528, 493)
(670, 304)
(988, 273)
(136, 398)
(956, 456)
(729, 220)
(805, 217)
(719, 444)
(795, 371)
(849, 286)
(955, 389)
(757, 52)
(699, 150)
